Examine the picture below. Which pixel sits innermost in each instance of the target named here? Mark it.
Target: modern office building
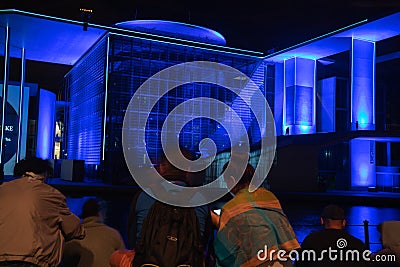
(109, 64)
(333, 98)
(102, 83)
(335, 107)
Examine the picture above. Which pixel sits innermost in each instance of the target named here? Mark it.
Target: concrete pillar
(362, 85)
(299, 96)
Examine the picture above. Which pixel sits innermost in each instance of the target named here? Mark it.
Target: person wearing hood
(389, 256)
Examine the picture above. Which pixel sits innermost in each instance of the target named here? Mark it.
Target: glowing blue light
(46, 124)
(279, 99)
(175, 29)
(304, 105)
(293, 50)
(363, 171)
(362, 84)
(300, 95)
(304, 129)
(362, 153)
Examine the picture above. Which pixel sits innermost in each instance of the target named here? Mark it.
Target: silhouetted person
(34, 219)
(145, 201)
(332, 242)
(99, 243)
(142, 207)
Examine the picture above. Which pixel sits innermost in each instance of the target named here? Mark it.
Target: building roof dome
(173, 29)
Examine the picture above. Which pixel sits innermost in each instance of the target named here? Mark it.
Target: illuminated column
(362, 85)
(4, 89)
(278, 99)
(299, 96)
(20, 105)
(363, 166)
(46, 124)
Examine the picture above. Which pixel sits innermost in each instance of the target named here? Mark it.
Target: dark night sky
(254, 25)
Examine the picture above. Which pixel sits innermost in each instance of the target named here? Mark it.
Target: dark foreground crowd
(37, 229)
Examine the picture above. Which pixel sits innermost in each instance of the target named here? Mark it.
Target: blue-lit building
(334, 107)
(108, 65)
(333, 98)
(103, 81)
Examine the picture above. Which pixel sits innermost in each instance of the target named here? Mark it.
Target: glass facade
(85, 91)
(100, 92)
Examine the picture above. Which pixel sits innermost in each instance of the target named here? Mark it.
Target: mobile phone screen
(217, 211)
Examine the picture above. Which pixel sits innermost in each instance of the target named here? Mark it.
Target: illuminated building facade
(333, 98)
(101, 84)
(331, 94)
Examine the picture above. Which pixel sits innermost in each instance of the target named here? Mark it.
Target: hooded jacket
(95, 250)
(390, 235)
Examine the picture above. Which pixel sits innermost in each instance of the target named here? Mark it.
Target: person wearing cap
(100, 242)
(331, 243)
(34, 219)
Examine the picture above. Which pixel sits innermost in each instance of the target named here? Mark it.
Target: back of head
(333, 216)
(333, 212)
(33, 165)
(168, 169)
(247, 175)
(90, 208)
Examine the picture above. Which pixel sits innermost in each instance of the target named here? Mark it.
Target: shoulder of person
(144, 200)
(112, 230)
(50, 190)
(106, 229)
(355, 240)
(203, 208)
(311, 236)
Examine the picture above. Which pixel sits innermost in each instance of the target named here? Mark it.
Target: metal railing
(366, 230)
